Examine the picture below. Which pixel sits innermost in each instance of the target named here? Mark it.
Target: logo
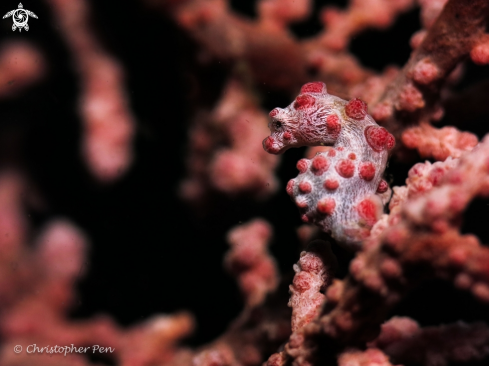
(20, 17)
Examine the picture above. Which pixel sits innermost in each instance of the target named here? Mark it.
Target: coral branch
(108, 122)
(263, 324)
(275, 15)
(340, 187)
(458, 30)
(37, 290)
(369, 357)
(438, 143)
(260, 43)
(225, 154)
(313, 274)
(361, 14)
(404, 341)
(249, 261)
(418, 240)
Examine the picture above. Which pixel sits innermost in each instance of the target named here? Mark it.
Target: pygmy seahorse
(340, 190)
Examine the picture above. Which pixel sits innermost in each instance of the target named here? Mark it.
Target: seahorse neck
(353, 138)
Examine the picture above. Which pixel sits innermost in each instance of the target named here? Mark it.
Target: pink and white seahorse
(342, 190)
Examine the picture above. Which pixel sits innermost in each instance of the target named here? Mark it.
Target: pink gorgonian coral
(313, 274)
(250, 261)
(108, 122)
(342, 190)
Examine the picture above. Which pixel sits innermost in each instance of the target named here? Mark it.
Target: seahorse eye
(277, 125)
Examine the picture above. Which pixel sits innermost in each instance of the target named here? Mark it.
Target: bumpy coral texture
(225, 152)
(369, 357)
(108, 123)
(403, 338)
(37, 290)
(438, 143)
(313, 273)
(339, 190)
(250, 261)
(422, 239)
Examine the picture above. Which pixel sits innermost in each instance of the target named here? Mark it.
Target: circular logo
(20, 17)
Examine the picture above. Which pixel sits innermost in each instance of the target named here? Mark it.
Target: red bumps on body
(336, 190)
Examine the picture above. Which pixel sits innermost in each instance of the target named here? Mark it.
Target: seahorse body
(340, 190)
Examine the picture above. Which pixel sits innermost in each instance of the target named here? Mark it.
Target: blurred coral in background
(141, 214)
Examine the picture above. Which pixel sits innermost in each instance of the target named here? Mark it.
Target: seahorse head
(308, 120)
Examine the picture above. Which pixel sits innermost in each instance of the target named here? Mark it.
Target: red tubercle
(458, 201)
(302, 165)
(319, 165)
(440, 226)
(352, 156)
(333, 124)
(275, 360)
(304, 101)
(331, 184)
(382, 111)
(287, 135)
(390, 268)
(418, 170)
(332, 153)
(458, 256)
(383, 187)
(463, 281)
(455, 177)
(207, 14)
(345, 168)
(344, 321)
(356, 109)
(379, 138)
(425, 71)
(357, 266)
(290, 187)
(334, 292)
(305, 187)
(368, 211)
(268, 145)
(301, 203)
(366, 170)
(311, 264)
(304, 218)
(326, 206)
(481, 291)
(480, 53)
(302, 281)
(341, 148)
(314, 87)
(391, 142)
(273, 112)
(436, 175)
